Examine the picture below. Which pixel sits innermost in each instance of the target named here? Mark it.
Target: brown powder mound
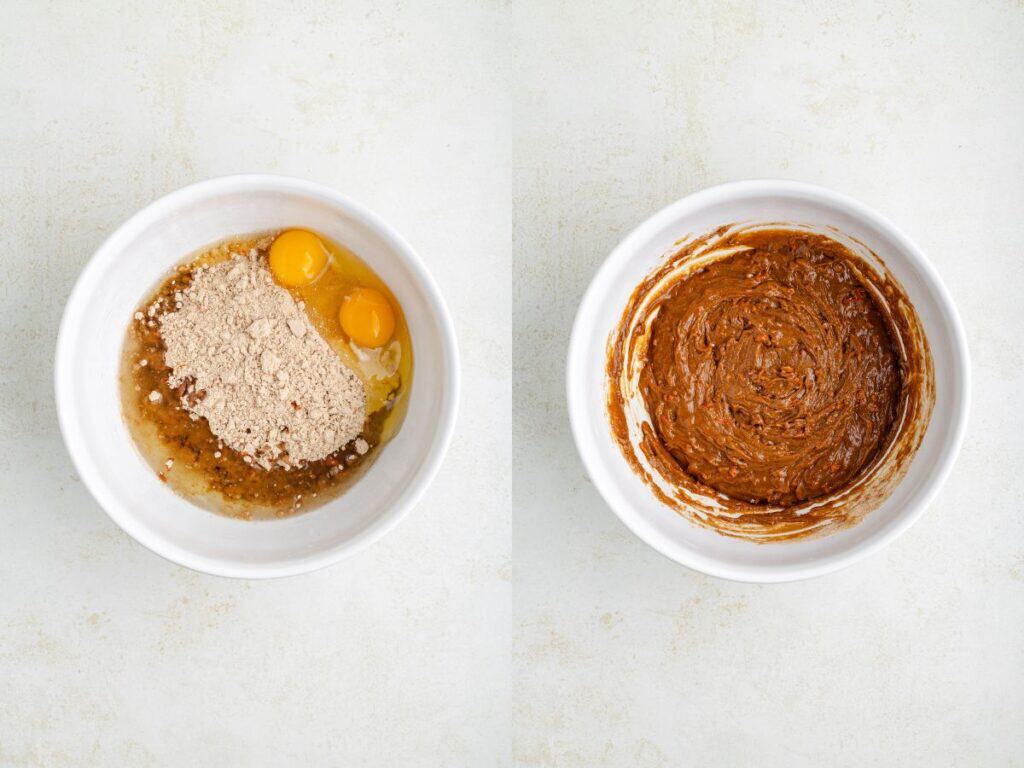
(246, 358)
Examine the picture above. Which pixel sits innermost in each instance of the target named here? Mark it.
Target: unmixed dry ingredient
(245, 357)
(169, 414)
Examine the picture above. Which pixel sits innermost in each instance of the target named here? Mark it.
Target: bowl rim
(71, 432)
(576, 377)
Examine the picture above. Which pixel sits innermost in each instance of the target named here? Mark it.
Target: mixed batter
(772, 376)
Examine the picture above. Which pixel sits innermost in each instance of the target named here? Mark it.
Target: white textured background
(912, 658)
(110, 656)
(511, 620)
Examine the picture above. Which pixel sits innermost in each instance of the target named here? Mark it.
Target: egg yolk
(297, 258)
(367, 317)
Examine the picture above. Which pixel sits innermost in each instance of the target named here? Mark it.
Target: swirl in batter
(772, 376)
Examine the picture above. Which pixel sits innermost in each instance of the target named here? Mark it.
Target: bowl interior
(129, 265)
(634, 502)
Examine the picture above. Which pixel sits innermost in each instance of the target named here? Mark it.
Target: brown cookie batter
(772, 376)
(777, 372)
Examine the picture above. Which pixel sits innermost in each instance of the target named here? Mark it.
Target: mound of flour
(245, 357)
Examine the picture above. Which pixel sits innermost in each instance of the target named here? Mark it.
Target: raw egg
(297, 258)
(367, 317)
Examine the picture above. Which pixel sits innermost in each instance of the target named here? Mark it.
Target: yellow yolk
(367, 317)
(297, 258)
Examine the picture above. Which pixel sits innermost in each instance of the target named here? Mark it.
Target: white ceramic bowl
(130, 264)
(633, 501)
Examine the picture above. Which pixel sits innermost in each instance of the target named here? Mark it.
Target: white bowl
(130, 264)
(634, 502)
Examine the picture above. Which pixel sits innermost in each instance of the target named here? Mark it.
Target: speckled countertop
(511, 620)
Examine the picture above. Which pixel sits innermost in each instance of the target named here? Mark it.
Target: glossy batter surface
(769, 381)
(772, 376)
